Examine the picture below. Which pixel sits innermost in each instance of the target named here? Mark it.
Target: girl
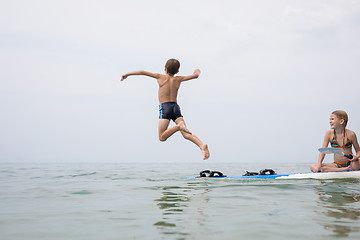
(339, 137)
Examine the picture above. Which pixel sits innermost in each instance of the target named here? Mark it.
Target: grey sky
(272, 72)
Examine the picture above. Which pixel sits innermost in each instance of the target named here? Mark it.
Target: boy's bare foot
(205, 151)
(184, 128)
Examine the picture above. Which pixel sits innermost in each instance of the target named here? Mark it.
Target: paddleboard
(320, 175)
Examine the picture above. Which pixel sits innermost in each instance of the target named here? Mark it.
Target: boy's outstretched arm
(192, 76)
(140, 72)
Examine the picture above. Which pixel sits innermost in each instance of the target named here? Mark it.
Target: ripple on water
(82, 192)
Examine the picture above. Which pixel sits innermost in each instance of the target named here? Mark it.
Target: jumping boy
(169, 109)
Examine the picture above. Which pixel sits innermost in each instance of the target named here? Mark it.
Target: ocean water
(153, 201)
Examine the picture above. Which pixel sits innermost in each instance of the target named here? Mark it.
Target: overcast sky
(271, 74)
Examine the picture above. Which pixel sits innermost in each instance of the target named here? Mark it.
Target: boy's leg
(163, 125)
(187, 135)
(165, 133)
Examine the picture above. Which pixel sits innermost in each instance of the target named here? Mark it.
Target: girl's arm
(140, 72)
(324, 145)
(355, 143)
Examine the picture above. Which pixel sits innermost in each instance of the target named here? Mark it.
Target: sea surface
(153, 201)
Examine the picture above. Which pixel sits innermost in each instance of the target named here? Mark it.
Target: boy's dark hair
(172, 66)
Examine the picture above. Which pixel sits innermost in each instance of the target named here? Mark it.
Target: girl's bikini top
(334, 144)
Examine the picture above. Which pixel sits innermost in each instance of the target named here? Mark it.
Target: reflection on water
(173, 202)
(339, 201)
(201, 208)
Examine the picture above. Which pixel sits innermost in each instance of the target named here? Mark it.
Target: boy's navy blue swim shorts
(169, 110)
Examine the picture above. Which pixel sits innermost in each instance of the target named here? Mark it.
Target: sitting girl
(339, 137)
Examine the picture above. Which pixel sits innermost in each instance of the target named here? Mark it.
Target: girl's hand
(355, 158)
(317, 168)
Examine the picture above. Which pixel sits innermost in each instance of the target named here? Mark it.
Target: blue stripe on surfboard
(320, 175)
(249, 177)
(259, 176)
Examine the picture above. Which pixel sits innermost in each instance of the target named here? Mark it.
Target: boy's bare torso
(168, 88)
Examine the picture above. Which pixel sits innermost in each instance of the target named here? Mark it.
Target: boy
(169, 109)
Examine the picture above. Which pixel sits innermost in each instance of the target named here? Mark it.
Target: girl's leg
(314, 168)
(327, 167)
(187, 135)
(333, 168)
(355, 165)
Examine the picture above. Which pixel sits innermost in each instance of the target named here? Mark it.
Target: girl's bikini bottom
(342, 164)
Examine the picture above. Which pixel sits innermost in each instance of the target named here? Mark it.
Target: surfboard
(320, 175)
